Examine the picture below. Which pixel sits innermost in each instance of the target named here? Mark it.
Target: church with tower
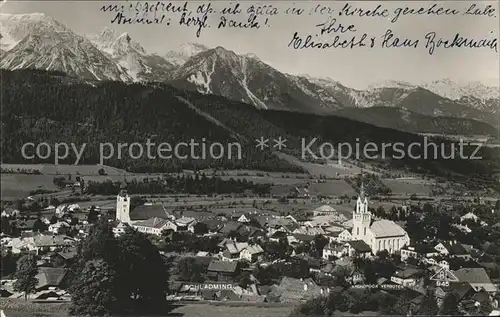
(123, 205)
(380, 234)
(130, 210)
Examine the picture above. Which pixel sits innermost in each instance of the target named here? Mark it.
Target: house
(452, 248)
(10, 212)
(462, 228)
(230, 226)
(66, 256)
(285, 224)
(355, 276)
(292, 290)
(25, 225)
(252, 252)
(408, 277)
(358, 248)
(303, 238)
(56, 227)
(154, 226)
(332, 236)
(61, 210)
(49, 277)
(213, 225)
(324, 210)
(250, 232)
(418, 251)
(469, 216)
(185, 224)
(45, 243)
(325, 221)
(73, 207)
(232, 249)
(278, 235)
(309, 231)
(222, 271)
(19, 245)
(39, 243)
(119, 229)
(462, 290)
(301, 192)
(345, 236)
(477, 278)
(337, 250)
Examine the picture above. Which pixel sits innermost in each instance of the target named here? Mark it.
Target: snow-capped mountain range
(181, 55)
(38, 41)
(131, 56)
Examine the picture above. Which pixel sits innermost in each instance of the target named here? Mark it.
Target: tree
(6, 226)
(450, 305)
(100, 243)
(94, 289)
(25, 275)
(319, 244)
(8, 265)
(244, 280)
(200, 228)
(93, 215)
(428, 306)
(53, 219)
(497, 205)
(131, 272)
(189, 270)
(316, 306)
(142, 271)
(342, 302)
(39, 226)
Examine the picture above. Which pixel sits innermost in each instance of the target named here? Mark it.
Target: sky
(357, 67)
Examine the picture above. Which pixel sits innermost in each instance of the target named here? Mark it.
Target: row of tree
(189, 184)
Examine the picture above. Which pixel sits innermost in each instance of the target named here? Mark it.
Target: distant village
(259, 257)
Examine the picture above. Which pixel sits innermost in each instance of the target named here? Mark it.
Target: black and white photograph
(244, 158)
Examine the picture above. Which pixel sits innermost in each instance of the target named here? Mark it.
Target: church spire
(123, 187)
(362, 190)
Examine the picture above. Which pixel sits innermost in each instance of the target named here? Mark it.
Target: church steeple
(361, 216)
(362, 201)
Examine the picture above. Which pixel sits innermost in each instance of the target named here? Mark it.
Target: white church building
(379, 235)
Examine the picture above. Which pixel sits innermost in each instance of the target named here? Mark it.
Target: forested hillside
(41, 107)
(405, 120)
(49, 107)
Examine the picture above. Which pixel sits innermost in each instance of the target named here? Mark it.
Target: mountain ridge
(108, 112)
(32, 39)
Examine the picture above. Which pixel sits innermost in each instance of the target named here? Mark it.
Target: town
(381, 257)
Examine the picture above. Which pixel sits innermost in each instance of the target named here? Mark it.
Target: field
(332, 188)
(19, 185)
(19, 308)
(52, 169)
(408, 186)
(203, 310)
(229, 309)
(15, 185)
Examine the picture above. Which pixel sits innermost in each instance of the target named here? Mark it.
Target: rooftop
(386, 228)
(223, 266)
(156, 223)
(144, 212)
